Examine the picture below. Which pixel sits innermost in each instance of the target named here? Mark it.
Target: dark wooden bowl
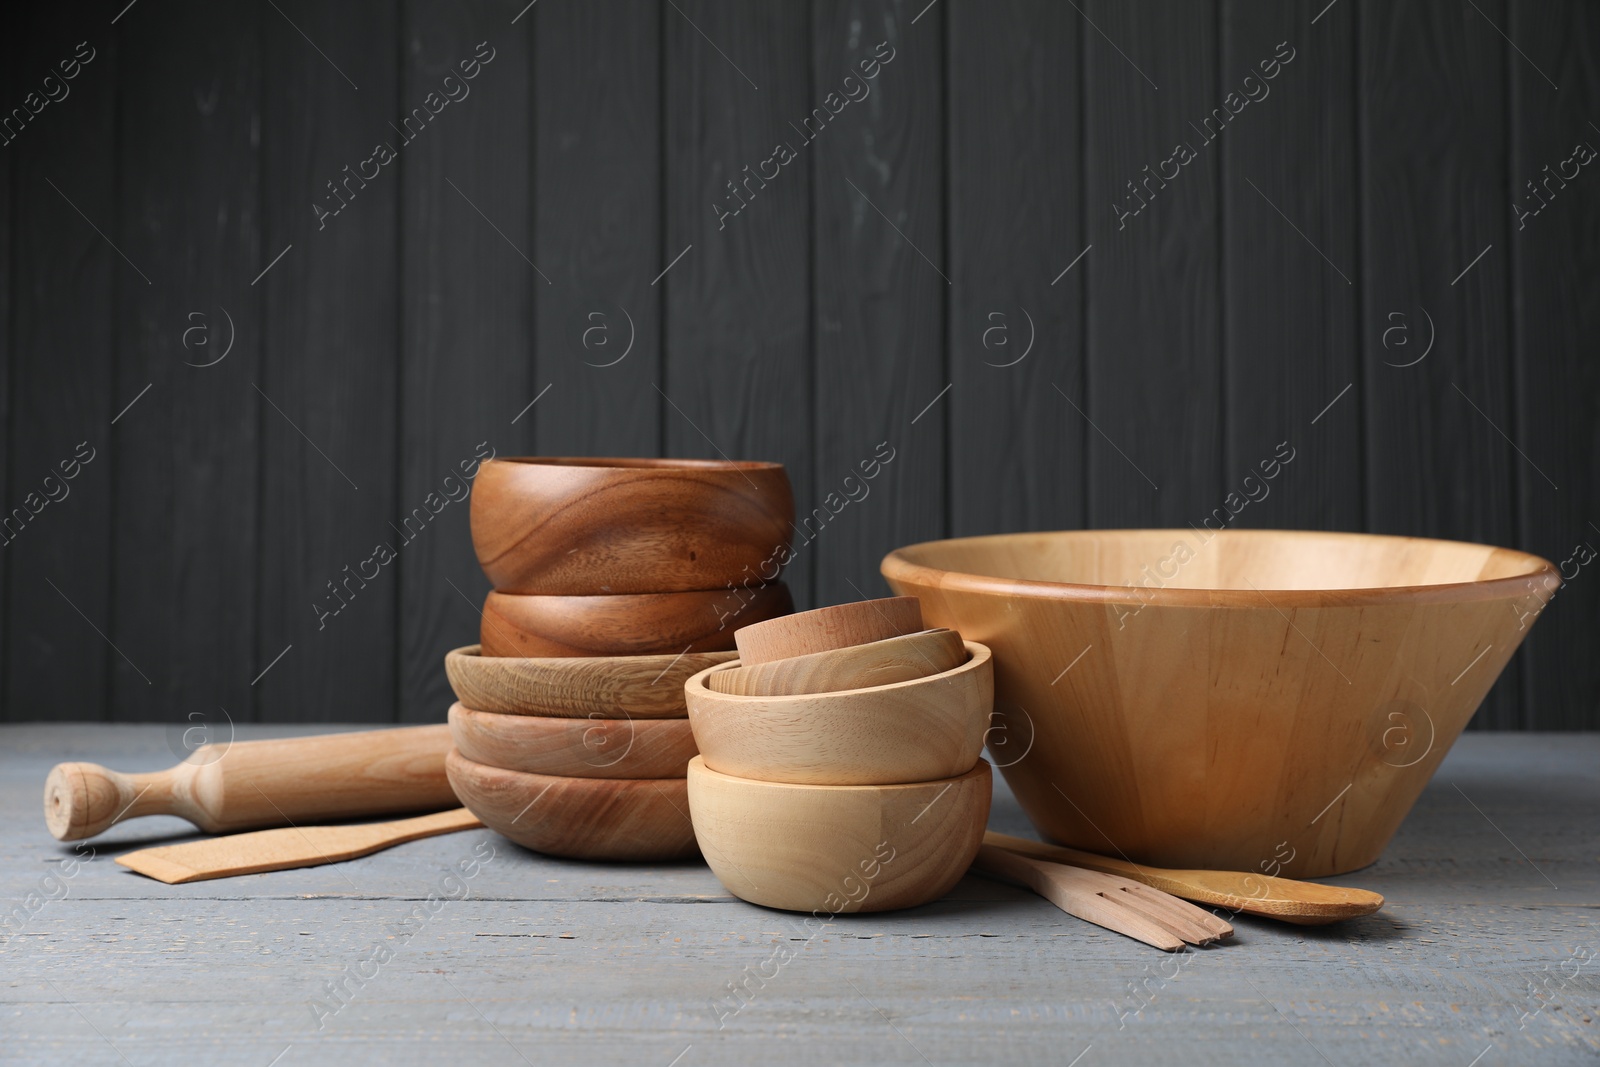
(575, 748)
(635, 624)
(605, 687)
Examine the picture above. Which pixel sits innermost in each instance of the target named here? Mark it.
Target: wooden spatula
(290, 846)
(1118, 904)
(1284, 899)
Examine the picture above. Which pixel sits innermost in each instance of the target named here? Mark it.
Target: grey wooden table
(1484, 954)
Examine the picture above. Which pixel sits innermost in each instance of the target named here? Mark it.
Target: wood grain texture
(636, 624)
(736, 377)
(628, 819)
(913, 731)
(188, 453)
(8, 62)
(882, 286)
(1434, 187)
(327, 395)
(633, 687)
(574, 748)
(1556, 318)
(824, 629)
(831, 850)
(894, 659)
(466, 312)
(1017, 316)
(598, 227)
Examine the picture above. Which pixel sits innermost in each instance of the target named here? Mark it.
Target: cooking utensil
(286, 847)
(250, 784)
(825, 848)
(1220, 700)
(581, 818)
(633, 687)
(577, 748)
(635, 624)
(912, 731)
(583, 526)
(822, 629)
(1284, 899)
(894, 659)
(1118, 904)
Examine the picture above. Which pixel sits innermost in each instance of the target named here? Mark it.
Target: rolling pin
(253, 784)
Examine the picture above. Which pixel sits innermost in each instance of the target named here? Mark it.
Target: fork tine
(1207, 919)
(1176, 920)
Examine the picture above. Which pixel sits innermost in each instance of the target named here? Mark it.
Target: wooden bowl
(832, 849)
(1245, 699)
(823, 629)
(894, 659)
(608, 687)
(912, 731)
(575, 748)
(581, 527)
(634, 624)
(580, 818)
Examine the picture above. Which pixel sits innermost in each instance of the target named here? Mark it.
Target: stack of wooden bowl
(614, 581)
(839, 765)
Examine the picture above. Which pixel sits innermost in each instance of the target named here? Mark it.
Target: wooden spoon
(894, 659)
(1284, 899)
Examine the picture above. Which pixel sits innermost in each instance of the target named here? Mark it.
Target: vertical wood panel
(1014, 80)
(1290, 221)
(736, 380)
(8, 80)
(1434, 151)
(468, 311)
(67, 278)
(597, 190)
(187, 452)
(1557, 318)
(1154, 362)
(328, 382)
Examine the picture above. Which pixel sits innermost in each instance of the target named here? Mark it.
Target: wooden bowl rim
(474, 651)
(697, 765)
(626, 463)
(569, 722)
(763, 588)
(897, 567)
(977, 656)
(604, 785)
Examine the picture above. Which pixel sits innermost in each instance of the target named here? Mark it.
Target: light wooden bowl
(832, 849)
(575, 748)
(581, 527)
(580, 818)
(608, 687)
(635, 624)
(824, 629)
(1248, 700)
(912, 731)
(894, 659)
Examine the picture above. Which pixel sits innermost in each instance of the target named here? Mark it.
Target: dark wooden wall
(883, 287)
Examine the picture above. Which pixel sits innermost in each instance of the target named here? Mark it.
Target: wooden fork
(1127, 907)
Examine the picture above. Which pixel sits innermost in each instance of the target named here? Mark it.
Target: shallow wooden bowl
(1245, 699)
(575, 748)
(894, 659)
(634, 624)
(832, 849)
(906, 732)
(580, 527)
(607, 687)
(823, 629)
(580, 818)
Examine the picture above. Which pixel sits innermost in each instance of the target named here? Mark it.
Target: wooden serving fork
(1118, 904)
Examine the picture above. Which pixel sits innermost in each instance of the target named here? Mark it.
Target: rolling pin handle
(85, 799)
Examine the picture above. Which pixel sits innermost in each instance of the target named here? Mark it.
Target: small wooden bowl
(575, 748)
(636, 624)
(568, 526)
(607, 687)
(580, 818)
(833, 849)
(823, 629)
(912, 731)
(894, 659)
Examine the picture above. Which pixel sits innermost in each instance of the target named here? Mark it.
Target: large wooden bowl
(831, 849)
(616, 687)
(633, 624)
(580, 818)
(580, 527)
(912, 731)
(574, 748)
(1246, 699)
